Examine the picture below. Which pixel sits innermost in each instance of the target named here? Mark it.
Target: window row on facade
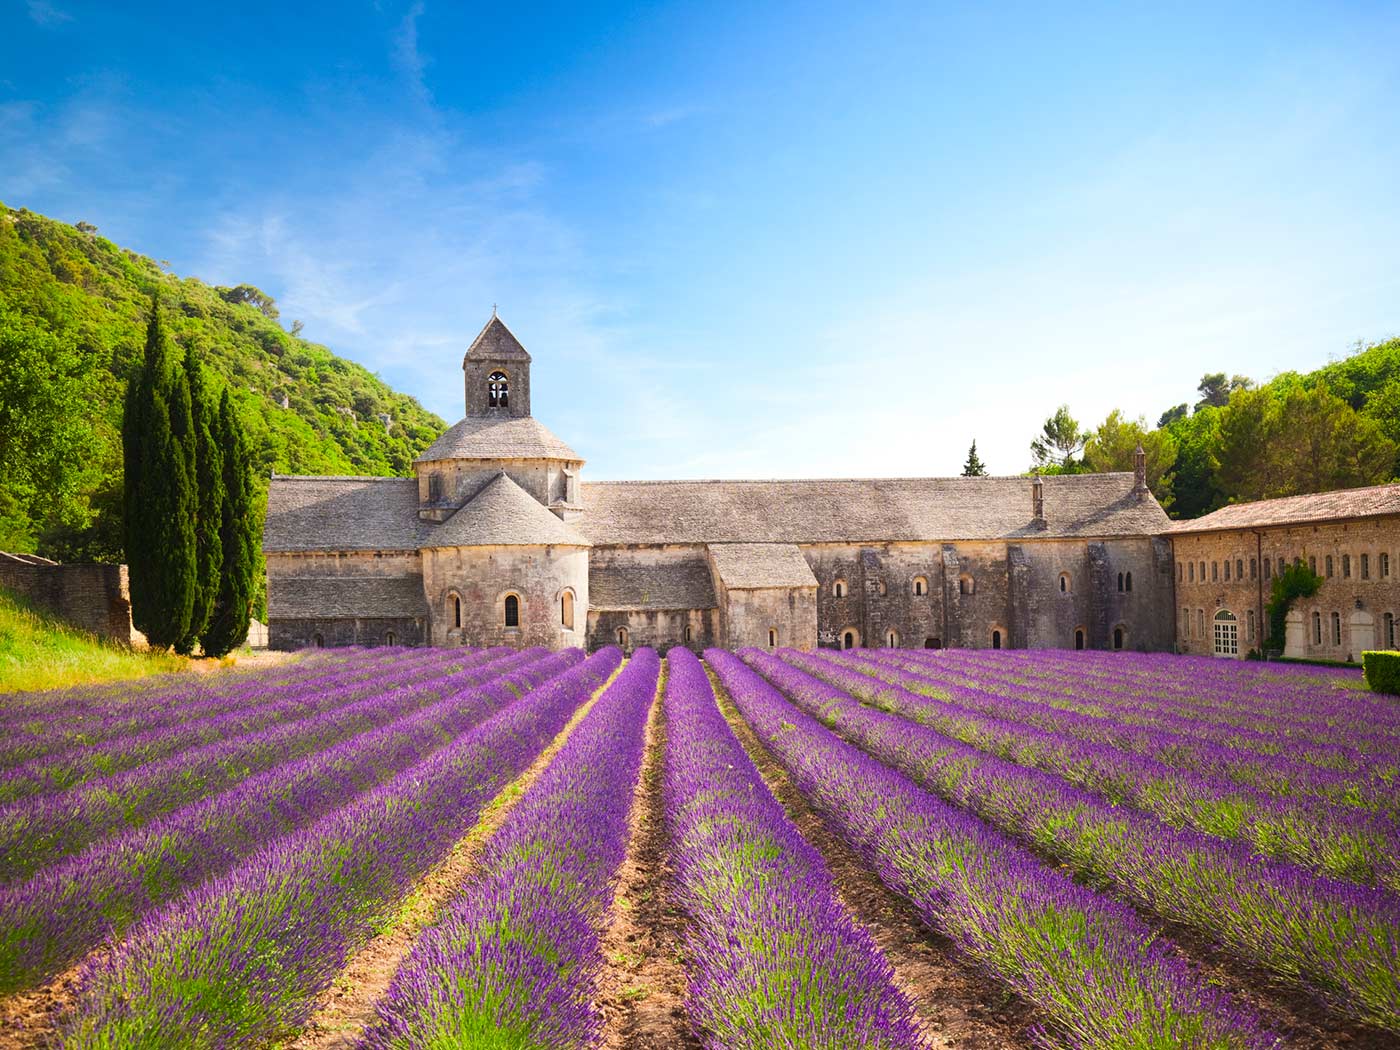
(510, 609)
(1330, 566)
(968, 585)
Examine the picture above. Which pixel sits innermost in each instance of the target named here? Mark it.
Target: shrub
(1382, 671)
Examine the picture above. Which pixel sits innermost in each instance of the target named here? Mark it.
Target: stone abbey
(499, 540)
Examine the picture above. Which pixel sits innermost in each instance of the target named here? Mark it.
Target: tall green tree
(209, 499)
(1195, 489)
(974, 467)
(240, 535)
(1112, 447)
(1215, 389)
(160, 494)
(1060, 440)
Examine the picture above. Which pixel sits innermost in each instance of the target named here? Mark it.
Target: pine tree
(209, 477)
(159, 494)
(239, 535)
(974, 467)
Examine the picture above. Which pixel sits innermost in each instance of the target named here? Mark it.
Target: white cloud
(43, 13)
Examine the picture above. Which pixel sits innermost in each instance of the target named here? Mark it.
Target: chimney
(1038, 503)
(1139, 472)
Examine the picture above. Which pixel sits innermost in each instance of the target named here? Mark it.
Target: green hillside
(73, 309)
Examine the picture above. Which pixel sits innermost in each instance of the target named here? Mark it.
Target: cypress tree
(240, 534)
(159, 494)
(974, 467)
(209, 499)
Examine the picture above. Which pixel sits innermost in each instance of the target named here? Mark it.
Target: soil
(31, 1019)
(642, 989)
(959, 1005)
(348, 1006)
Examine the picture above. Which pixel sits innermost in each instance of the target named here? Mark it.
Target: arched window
(996, 639)
(497, 390)
(1079, 637)
(389, 638)
(622, 637)
(920, 586)
(1203, 572)
(1065, 584)
(1384, 565)
(318, 641)
(1227, 570)
(566, 610)
(1192, 568)
(1312, 564)
(1249, 635)
(512, 611)
(966, 584)
(1119, 636)
(1227, 634)
(880, 587)
(1120, 582)
(1239, 568)
(454, 602)
(1185, 622)
(1268, 569)
(1365, 566)
(1388, 630)
(891, 639)
(689, 634)
(1129, 578)
(838, 589)
(1253, 568)
(1346, 566)
(1317, 628)
(1214, 572)
(1328, 563)
(772, 638)
(848, 640)
(1336, 628)
(933, 643)
(1200, 623)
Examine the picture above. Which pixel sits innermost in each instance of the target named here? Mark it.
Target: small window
(389, 638)
(1385, 566)
(966, 584)
(689, 635)
(892, 640)
(497, 390)
(566, 610)
(1312, 564)
(1239, 568)
(1388, 630)
(1268, 569)
(1130, 582)
(1253, 568)
(848, 640)
(318, 641)
(1336, 628)
(456, 610)
(772, 638)
(1346, 566)
(1185, 622)
(838, 589)
(1249, 619)
(1180, 573)
(880, 587)
(1203, 572)
(622, 637)
(1365, 566)
(512, 611)
(996, 639)
(1215, 572)
(1328, 566)
(434, 488)
(1227, 570)
(1280, 566)
(1120, 583)
(1200, 623)
(1065, 584)
(933, 643)
(1118, 637)
(1317, 628)
(920, 586)
(1079, 637)
(1192, 568)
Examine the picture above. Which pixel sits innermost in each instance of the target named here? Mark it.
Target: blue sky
(749, 240)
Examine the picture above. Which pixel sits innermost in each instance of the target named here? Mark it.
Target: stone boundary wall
(94, 598)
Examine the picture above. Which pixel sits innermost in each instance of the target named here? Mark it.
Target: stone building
(1226, 562)
(497, 539)
(95, 598)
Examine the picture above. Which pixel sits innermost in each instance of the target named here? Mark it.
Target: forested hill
(73, 311)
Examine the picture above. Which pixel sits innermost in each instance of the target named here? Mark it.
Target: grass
(40, 652)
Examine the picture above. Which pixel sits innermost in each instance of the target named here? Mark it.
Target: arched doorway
(996, 639)
(1079, 637)
(318, 641)
(848, 640)
(1120, 637)
(1227, 634)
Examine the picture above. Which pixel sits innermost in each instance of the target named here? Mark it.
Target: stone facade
(1224, 575)
(498, 510)
(95, 598)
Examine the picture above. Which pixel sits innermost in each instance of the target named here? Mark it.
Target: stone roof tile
(497, 342)
(758, 566)
(367, 597)
(502, 514)
(1372, 502)
(682, 582)
(498, 437)
(341, 514)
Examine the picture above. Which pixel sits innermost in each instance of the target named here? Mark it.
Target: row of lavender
(1318, 932)
(241, 957)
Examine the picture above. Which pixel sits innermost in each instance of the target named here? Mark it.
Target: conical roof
(498, 437)
(503, 514)
(496, 342)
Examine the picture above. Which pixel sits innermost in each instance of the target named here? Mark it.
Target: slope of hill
(73, 310)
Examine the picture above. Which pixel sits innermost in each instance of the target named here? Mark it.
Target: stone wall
(1356, 608)
(483, 577)
(315, 633)
(94, 598)
(658, 628)
(461, 479)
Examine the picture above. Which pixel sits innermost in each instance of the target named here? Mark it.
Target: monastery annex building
(499, 540)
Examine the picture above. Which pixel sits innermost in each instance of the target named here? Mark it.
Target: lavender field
(400, 848)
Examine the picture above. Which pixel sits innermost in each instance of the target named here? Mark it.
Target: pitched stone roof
(757, 566)
(497, 342)
(682, 582)
(342, 514)
(498, 437)
(366, 597)
(863, 510)
(502, 513)
(1372, 502)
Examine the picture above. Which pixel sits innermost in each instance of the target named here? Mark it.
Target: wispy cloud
(43, 13)
(409, 60)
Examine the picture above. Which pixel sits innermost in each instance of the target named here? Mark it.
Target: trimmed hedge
(1382, 671)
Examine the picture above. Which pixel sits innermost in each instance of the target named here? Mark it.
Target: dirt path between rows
(960, 1006)
(348, 1006)
(642, 989)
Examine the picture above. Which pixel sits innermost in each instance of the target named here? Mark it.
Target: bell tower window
(497, 390)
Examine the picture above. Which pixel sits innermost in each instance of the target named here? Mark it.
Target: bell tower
(497, 370)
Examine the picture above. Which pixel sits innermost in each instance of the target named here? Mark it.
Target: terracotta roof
(317, 597)
(1371, 502)
(757, 566)
(497, 342)
(682, 582)
(863, 511)
(502, 513)
(342, 514)
(498, 437)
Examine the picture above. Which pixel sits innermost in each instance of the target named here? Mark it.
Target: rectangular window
(1180, 573)
(1312, 564)
(1385, 565)
(1365, 566)
(1192, 567)
(1239, 569)
(1214, 571)
(1346, 566)
(1250, 619)
(1203, 572)
(1388, 630)
(434, 487)
(1280, 566)
(1227, 570)
(1268, 569)
(1336, 628)
(1253, 568)
(1317, 628)
(1185, 623)
(1328, 566)
(1200, 623)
